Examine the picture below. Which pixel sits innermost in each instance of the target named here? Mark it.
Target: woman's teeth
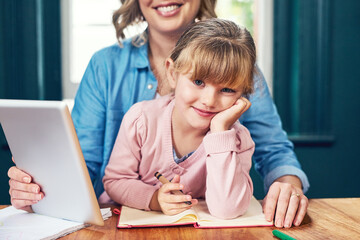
(168, 8)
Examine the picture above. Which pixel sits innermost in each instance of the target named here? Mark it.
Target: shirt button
(149, 86)
(176, 171)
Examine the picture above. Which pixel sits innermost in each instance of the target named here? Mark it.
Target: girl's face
(197, 102)
(168, 17)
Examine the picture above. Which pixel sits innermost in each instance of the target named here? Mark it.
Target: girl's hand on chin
(225, 119)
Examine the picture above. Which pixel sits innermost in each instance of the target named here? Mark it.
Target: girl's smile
(204, 113)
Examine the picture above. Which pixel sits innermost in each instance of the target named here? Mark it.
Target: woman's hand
(169, 203)
(22, 192)
(225, 119)
(286, 201)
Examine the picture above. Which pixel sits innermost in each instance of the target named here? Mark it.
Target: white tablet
(43, 142)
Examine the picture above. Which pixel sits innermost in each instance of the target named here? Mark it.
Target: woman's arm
(274, 156)
(89, 115)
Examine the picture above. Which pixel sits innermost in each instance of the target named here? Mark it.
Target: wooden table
(326, 219)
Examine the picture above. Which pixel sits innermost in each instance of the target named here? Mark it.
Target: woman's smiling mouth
(169, 8)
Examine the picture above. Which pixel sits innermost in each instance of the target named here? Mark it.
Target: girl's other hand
(225, 119)
(171, 204)
(22, 192)
(286, 202)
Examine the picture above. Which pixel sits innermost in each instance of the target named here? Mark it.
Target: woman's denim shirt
(116, 78)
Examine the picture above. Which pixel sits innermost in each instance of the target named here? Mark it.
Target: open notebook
(198, 216)
(20, 225)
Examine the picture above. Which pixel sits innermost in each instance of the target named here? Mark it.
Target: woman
(117, 77)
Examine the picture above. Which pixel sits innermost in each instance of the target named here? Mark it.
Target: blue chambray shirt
(116, 78)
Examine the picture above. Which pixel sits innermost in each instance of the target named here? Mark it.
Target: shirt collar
(142, 57)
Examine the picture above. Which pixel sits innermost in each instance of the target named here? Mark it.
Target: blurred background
(308, 50)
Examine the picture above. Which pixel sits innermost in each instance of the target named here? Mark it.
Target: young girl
(193, 134)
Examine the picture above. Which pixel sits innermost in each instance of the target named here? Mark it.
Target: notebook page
(21, 225)
(136, 217)
(253, 217)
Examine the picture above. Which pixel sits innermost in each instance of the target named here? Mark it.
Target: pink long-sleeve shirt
(218, 170)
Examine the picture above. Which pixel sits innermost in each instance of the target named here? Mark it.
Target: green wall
(335, 169)
(316, 78)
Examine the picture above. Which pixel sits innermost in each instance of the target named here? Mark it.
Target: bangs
(218, 61)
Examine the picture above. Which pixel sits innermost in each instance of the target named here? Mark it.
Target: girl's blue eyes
(198, 82)
(225, 90)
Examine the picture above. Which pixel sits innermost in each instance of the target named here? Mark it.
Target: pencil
(163, 180)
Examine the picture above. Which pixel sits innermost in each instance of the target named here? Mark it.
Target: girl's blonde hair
(129, 14)
(217, 51)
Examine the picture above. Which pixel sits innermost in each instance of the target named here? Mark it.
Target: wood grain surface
(337, 218)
